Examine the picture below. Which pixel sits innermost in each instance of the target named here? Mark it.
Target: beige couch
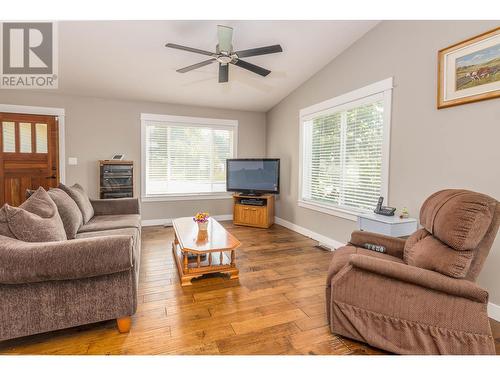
(420, 296)
(46, 286)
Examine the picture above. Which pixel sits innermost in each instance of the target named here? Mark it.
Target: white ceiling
(128, 60)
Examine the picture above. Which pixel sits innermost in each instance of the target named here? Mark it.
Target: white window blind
(183, 158)
(343, 161)
(42, 139)
(25, 137)
(9, 136)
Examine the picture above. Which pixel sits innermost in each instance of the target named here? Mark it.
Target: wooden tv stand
(253, 216)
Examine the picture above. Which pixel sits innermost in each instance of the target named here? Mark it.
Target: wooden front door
(29, 155)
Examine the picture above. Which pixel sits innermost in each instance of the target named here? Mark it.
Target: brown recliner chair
(419, 297)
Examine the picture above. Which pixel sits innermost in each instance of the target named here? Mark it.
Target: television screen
(253, 175)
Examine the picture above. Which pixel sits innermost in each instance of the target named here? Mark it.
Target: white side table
(388, 225)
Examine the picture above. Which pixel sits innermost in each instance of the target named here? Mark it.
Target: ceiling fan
(225, 55)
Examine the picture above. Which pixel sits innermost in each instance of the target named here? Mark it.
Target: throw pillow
(69, 212)
(81, 199)
(36, 220)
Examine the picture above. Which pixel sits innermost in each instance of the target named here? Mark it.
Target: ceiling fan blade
(223, 73)
(195, 66)
(225, 37)
(259, 51)
(253, 68)
(189, 49)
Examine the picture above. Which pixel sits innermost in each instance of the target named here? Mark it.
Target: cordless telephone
(384, 210)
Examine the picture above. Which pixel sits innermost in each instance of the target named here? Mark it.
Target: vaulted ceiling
(128, 60)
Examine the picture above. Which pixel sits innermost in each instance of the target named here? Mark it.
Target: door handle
(51, 177)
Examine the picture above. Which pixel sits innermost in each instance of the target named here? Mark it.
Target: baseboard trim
(323, 240)
(155, 222)
(168, 221)
(494, 311)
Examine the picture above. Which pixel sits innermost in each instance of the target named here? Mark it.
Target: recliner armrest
(394, 246)
(420, 276)
(29, 262)
(118, 206)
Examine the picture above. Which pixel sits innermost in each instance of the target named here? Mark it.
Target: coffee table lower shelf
(191, 266)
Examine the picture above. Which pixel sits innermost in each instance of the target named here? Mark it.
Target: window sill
(334, 211)
(186, 197)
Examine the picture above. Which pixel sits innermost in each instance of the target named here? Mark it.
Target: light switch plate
(72, 161)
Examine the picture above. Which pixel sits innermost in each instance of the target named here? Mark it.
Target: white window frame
(191, 121)
(382, 88)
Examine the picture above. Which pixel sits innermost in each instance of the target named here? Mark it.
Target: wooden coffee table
(194, 250)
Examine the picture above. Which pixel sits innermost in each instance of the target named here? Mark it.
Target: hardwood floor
(276, 307)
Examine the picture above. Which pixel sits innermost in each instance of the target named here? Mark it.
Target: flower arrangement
(201, 217)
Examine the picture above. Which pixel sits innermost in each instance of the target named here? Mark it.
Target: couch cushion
(342, 254)
(69, 212)
(459, 218)
(107, 222)
(133, 232)
(36, 220)
(81, 199)
(425, 251)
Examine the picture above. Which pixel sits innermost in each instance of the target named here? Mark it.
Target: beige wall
(430, 149)
(97, 128)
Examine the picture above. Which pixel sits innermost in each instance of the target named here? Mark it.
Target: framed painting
(469, 71)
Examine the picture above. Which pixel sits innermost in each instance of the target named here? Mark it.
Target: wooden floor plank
(259, 342)
(266, 321)
(276, 307)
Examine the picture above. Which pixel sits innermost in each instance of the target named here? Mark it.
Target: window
(9, 136)
(185, 156)
(25, 137)
(41, 138)
(344, 151)
(17, 137)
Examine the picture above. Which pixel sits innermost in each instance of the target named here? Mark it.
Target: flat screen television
(253, 176)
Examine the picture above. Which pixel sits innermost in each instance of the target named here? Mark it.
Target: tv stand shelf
(252, 215)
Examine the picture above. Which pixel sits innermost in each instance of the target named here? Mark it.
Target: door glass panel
(41, 138)
(25, 136)
(9, 136)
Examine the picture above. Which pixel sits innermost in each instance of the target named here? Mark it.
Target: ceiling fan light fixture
(224, 59)
(225, 55)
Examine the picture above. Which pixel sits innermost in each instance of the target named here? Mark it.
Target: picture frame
(469, 71)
